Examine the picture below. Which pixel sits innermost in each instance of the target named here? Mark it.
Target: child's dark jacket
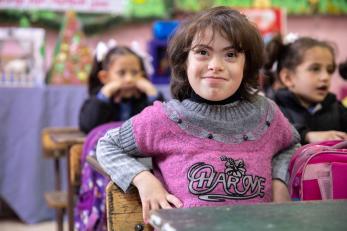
(332, 115)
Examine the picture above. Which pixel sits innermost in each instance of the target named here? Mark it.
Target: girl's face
(214, 67)
(126, 69)
(310, 81)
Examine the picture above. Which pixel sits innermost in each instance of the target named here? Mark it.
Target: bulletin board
(22, 57)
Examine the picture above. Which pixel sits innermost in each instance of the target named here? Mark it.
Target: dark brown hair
(231, 24)
(94, 83)
(292, 54)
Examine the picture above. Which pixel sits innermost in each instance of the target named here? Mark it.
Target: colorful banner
(91, 6)
(270, 21)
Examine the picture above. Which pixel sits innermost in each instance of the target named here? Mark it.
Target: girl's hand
(110, 89)
(144, 85)
(279, 191)
(312, 137)
(153, 195)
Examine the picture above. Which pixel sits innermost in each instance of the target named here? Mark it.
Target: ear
(286, 77)
(102, 75)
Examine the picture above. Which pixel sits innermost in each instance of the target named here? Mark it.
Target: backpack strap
(322, 173)
(340, 145)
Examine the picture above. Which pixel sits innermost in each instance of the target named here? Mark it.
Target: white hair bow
(290, 38)
(102, 49)
(147, 59)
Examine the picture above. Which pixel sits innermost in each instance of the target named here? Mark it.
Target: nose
(128, 78)
(215, 64)
(325, 76)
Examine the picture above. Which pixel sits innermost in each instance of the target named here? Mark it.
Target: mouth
(214, 78)
(322, 89)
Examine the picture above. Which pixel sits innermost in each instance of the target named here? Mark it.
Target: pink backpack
(319, 171)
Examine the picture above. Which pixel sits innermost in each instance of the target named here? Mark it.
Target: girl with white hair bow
(118, 85)
(119, 88)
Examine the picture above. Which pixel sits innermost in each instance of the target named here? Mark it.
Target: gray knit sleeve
(280, 164)
(116, 152)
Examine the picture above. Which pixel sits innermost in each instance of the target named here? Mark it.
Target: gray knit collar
(230, 123)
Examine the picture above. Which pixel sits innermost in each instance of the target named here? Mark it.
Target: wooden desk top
(68, 136)
(310, 215)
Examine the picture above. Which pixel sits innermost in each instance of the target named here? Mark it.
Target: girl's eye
(121, 73)
(315, 69)
(231, 54)
(201, 52)
(330, 70)
(134, 72)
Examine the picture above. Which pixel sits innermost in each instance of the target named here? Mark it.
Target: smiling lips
(214, 78)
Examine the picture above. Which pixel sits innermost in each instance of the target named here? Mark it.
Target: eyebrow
(320, 64)
(210, 48)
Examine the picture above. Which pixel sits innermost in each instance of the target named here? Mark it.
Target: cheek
(191, 70)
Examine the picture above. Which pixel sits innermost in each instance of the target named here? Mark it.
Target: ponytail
(94, 83)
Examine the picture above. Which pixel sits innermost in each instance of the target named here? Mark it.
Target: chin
(317, 100)
(214, 96)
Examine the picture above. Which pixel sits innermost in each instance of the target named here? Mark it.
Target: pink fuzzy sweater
(204, 171)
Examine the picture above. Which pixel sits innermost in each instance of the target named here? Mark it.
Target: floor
(16, 225)
(9, 221)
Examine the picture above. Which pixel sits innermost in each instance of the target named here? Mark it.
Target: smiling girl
(217, 142)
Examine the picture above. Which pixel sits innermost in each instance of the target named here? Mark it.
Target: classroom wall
(332, 28)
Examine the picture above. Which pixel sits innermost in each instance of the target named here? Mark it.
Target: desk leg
(59, 212)
(57, 174)
(70, 195)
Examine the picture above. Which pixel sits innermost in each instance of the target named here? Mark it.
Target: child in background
(118, 87)
(217, 142)
(269, 81)
(343, 74)
(305, 67)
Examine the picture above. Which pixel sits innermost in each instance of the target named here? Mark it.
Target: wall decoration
(22, 57)
(72, 56)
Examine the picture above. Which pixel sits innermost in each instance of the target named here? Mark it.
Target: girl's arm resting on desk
(116, 154)
(318, 136)
(153, 195)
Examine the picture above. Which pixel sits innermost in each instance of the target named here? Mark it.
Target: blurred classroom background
(46, 50)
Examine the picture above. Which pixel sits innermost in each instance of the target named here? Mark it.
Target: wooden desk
(69, 138)
(311, 215)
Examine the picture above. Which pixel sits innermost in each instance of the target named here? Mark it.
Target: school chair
(74, 181)
(59, 200)
(123, 210)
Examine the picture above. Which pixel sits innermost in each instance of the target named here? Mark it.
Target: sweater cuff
(103, 98)
(280, 164)
(281, 181)
(281, 175)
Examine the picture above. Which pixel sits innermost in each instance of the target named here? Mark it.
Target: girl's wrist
(150, 89)
(100, 96)
(140, 178)
(106, 91)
